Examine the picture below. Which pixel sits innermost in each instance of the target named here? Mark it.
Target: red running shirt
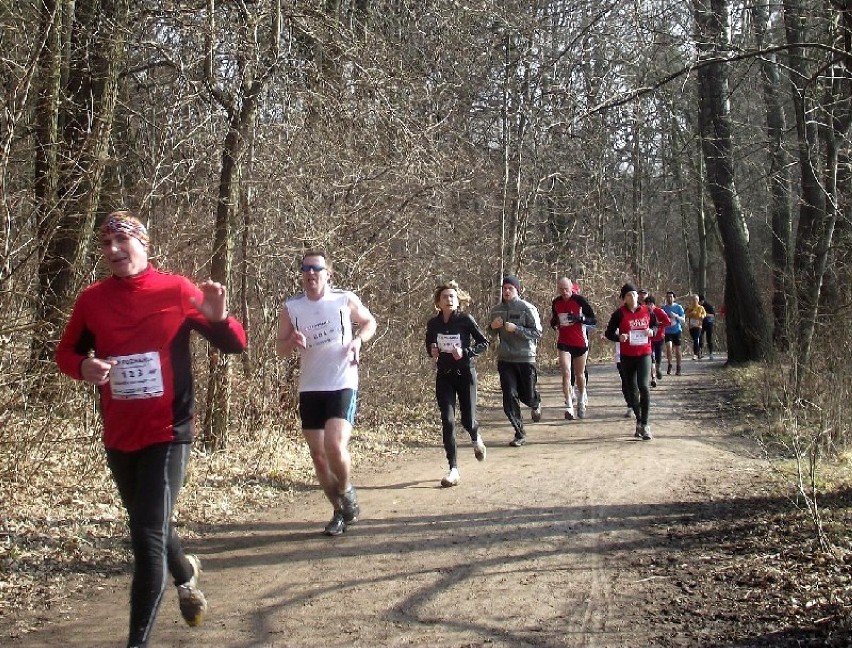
(143, 322)
(571, 317)
(634, 323)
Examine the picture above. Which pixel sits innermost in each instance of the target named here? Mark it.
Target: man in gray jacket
(516, 322)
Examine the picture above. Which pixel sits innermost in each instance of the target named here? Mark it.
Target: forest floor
(583, 537)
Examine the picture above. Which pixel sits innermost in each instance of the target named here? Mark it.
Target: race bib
(446, 343)
(321, 333)
(136, 376)
(566, 319)
(638, 338)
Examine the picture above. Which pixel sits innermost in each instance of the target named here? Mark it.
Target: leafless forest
(698, 146)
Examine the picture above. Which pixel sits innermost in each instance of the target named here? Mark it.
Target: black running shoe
(336, 526)
(535, 413)
(349, 506)
(517, 442)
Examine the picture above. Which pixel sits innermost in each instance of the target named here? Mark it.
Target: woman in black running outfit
(453, 340)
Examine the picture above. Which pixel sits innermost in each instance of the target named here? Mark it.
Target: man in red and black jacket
(633, 326)
(571, 315)
(129, 335)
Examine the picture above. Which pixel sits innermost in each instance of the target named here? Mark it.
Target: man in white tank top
(319, 323)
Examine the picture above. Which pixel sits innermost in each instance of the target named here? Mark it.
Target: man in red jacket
(129, 335)
(571, 315)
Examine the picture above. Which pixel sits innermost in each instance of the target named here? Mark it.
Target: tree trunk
(74, 167)
(747, 326)
(821, 123)
(241, 117)
(779, 183)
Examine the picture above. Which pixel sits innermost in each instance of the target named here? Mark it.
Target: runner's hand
(96, 371)
(215, 303)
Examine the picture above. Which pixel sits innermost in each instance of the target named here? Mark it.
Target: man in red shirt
(570, 316)
(129, 334)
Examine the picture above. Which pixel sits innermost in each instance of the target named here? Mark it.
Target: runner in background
(695, 320)
(707, 326)
(658, 340)
(673, 332)
(571, 314)
(518, 326)
(453, 340)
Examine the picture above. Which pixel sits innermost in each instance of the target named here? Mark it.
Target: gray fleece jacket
(520, 345)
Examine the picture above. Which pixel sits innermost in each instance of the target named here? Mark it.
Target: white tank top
(327, 326)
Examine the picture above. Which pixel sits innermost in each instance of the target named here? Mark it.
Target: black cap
(512, 279)
(626, 288)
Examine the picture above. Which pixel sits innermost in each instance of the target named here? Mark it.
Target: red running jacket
(144, 322)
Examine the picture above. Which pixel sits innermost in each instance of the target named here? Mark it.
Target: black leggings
(635, 373)
(450, 384)
(149, 481)
(707, 332)
(657, 351)
(518, 384)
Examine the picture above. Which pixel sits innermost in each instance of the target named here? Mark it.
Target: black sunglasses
(307, 267)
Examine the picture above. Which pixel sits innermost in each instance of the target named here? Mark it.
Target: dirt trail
(538, 546)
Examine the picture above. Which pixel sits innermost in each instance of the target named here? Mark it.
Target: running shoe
(638, 431)
(349, 506)
(669, 371)
(710, 357)
(336, 526)
(629, 413)
(660, 373)
(677, 373)
(193, 605)
(518, 441)
(646, 432)
(695, 356)
(536, 413)
(569, 412)
(581, 410)
(452, 478)
(653, 382)
(479, 448)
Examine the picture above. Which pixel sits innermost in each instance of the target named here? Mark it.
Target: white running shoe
(581, 410)
(479, 449)
(452, 478)
(569, 411)
(193, 605)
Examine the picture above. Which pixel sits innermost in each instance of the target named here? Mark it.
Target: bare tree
(823, 107)
(72, 153)
(747, 327)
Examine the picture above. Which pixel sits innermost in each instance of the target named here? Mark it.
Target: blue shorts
(316, 408)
